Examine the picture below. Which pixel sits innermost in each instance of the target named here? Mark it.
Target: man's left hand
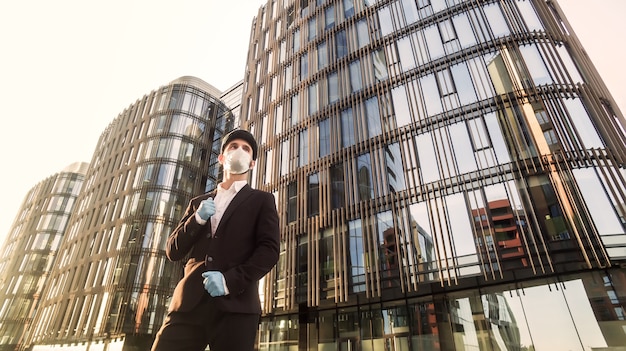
(214, 283)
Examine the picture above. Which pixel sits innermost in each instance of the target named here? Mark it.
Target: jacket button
(209, 259)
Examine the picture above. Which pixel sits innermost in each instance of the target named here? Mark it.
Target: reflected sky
(552, 317)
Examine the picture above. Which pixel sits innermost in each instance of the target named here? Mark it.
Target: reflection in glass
(337, 190)
(603, 213)
(324, 137)
(314, 194)
(372, 115)
(427, 158)
(536, 66)
(364, 176)
(394, 169)
(401, 106)
(405, 53)
(327, 264)
(347, 128)
(356, 256)
(496, 20)
(586, 133)
(530, 16)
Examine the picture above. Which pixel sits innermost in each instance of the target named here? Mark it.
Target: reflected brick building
(499, 237)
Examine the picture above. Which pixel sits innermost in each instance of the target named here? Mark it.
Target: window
(333, 88)
(464, 30)
(324, 137)
(322, 56)
(463, 80)
(329, 15)
(304, 66)
(405, 53)
(355, 76)
(292, 202)
(282, 52)
(312, 28)
(536, 65)
(341, 44)
(347, 128)
(278, 119)
(337, 187)
(372, 115)
(290, 16)
(433, 42)
(394, 168)
(296, 40)
(313, 101)
(478, 134)
(362, 33)
(388, 250)
(551, 138)
(356, 256)
(327, 264)
(423, 3)
(364, 177)
(284, 158)
(496, 20)
(295, 105)
(410, 11)
(446, 84)
(302, 263)
(348, 6)
(430, 95)
(385, 20)
(401, 106)
(165, 174)
(304, 7)
(303, 154)
(446, 29)
(288, 77)
(380, 65)
(269, 164)
(260, 99)
(313, 197)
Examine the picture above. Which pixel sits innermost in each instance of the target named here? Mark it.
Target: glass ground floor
(583, 311)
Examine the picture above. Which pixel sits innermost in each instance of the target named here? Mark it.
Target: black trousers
(206, 325)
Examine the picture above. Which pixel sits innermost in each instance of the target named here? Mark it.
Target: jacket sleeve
(266, 249)
(182, 239)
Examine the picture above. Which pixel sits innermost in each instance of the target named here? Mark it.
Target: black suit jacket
(245, 247)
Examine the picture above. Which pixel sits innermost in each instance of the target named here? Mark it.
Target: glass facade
(36, 235)
(111, 282)
(450, 175)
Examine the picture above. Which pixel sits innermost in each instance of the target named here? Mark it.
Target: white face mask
(237, 161)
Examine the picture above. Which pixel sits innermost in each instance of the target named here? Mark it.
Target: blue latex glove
(206, 209)
(214, 283)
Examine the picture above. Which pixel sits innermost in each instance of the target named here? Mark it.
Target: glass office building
(35, 235)
(111, 282)
(450, 175)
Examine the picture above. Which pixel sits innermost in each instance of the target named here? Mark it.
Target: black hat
(243, 135)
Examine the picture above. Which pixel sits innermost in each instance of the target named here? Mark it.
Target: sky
(68, 68)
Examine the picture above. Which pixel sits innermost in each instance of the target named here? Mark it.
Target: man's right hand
(206, 209)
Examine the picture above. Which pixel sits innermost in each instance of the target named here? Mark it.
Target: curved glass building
(30, 248)
(450, 175)
(111, 283)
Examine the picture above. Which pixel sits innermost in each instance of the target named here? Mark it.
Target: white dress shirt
(222, 199)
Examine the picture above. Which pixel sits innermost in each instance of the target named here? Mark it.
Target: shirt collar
(237, 185)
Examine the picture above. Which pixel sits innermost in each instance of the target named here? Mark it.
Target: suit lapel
(241, 196)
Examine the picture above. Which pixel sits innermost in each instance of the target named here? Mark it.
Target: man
(232, 238)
